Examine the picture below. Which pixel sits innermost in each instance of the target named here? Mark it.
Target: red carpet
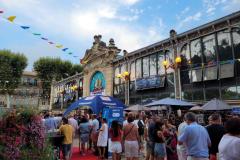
(76, 155)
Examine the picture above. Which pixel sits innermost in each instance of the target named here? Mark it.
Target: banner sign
(149, 82)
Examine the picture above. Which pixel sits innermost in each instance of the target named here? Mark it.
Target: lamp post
(177, 81)
(125, 76)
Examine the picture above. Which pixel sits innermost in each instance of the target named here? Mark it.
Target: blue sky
(132, 23)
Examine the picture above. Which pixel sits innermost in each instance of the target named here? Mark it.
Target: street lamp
(125, 76)
(176, 67)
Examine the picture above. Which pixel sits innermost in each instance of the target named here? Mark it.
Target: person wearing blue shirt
(196, 139)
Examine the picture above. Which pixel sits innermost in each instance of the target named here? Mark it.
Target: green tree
(11, 69)
(54, 68)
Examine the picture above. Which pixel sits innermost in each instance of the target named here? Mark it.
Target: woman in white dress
(102, 138)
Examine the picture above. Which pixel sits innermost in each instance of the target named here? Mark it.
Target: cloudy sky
(132, 23)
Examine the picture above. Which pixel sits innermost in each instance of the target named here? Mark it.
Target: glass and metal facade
(209, 68)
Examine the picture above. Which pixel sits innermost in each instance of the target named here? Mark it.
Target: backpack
(140, 128)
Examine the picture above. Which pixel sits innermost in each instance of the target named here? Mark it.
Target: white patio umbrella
(136, 107)
(216, 105)
(169, 102)
(196, 108)
(158, 108)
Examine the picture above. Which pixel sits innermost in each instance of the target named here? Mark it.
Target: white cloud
(130, 2)
(186, 20)
(211, 5)
(232, 6)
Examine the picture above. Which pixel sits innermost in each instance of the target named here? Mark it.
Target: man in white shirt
(181, 149)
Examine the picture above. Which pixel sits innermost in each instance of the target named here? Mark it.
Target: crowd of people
(149, 136)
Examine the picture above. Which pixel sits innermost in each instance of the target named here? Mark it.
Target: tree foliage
(11, 69)
(54, 68)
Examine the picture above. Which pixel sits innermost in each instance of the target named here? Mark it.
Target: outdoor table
(55, 138)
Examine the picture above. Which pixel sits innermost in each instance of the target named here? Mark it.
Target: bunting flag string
(27, 28)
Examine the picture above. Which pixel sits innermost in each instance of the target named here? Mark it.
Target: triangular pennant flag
(59, 46)
(75, 56)
(37, 34)
(70, 53)
(64, 49)
(11, 18)
(50, 42)
(1, 11)
(44, 38)
(25, 27)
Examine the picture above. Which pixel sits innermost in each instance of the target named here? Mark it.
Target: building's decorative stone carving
(99, 58)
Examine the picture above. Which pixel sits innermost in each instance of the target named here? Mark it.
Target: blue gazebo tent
(97, 103)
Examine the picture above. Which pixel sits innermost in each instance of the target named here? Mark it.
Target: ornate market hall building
(197, 65)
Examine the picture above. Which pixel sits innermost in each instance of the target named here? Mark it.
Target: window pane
(236, 45)
(185, 77)
(224, 46)
(226, 70)
(210, 73)
(169, 58)
(117, 71)
(161, 69)
(132, 72)
(211, 93)
(139, 68)
(209, 50)
(229, 92)
(236, 42)
(145, 66)
(196, 54)
(187, 95)
(185, 56)
(153, 65)
(198, 95)
(196, 75)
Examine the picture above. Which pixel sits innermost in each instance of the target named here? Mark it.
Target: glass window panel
(196, 75)
(185, 77)
(122, 70)
(210, 73)
(116, 90)
(117, 71)
(132, 72)
(236, 42)
(236, 45)
(145, 66)
(211, 93)
(198, 95)
(226, 70)
(169, 58)
(153, 65)
(170, 79)
(139, 68)
(196, 54)
(185, 56)
(224, 46)
(187, 95)
(229, 92)
(161, 69)
(209, 50)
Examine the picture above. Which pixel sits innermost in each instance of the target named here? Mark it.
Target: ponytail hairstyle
(115, 128)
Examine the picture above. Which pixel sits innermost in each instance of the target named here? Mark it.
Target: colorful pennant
(59, 46)
(70, 53)
(11, 18)
(25, 27)
(37, 34)
(44, 38)
(64, 49)
(1, 11)
(50, 42)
